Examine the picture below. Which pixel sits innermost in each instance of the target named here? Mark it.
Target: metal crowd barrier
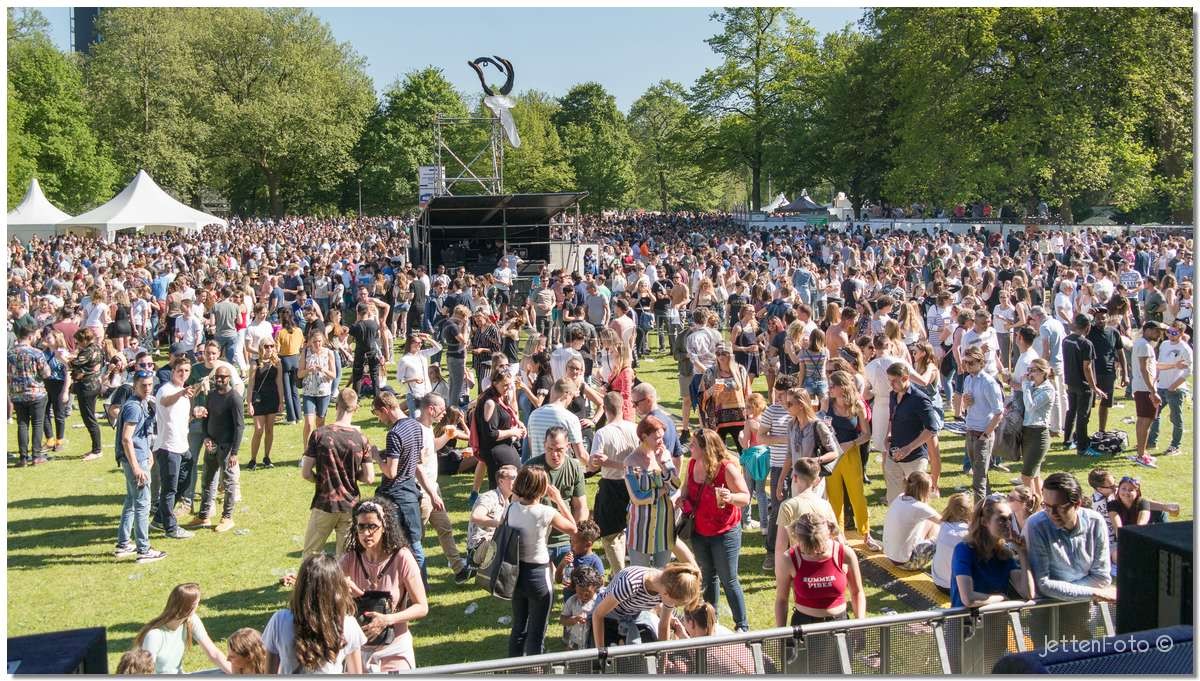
(952, 641)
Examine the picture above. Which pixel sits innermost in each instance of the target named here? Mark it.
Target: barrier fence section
(951, 641)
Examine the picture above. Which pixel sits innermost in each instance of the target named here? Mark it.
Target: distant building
(83, 28)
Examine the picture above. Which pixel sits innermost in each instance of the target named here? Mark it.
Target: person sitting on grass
(911, 526)
(1128, 507)
(586, 582)
(955, 520)
(168, 636)
(246, 655)
(699, 622)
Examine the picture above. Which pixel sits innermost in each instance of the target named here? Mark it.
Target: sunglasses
(146, 364)
(1131, 480)
(367, 527)
(1057, 508)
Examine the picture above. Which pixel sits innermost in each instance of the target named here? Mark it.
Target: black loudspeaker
(1154, 581)
(78, 651)
(1159, 651)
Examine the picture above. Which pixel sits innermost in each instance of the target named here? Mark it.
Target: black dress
(121, 325)
(494, 452)
(265, 397)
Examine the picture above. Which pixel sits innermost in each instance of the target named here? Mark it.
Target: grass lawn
(62, 520)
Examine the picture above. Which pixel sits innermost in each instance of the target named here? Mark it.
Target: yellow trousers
(849, 472)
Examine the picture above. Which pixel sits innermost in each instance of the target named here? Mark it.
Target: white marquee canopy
(34, 216)
(142, 204)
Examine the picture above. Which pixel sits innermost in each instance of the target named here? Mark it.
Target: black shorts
(1106, 383)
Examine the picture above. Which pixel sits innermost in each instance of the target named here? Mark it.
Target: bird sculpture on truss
(498, 100)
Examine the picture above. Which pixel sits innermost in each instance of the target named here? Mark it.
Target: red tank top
(710, 520)
(819, 584)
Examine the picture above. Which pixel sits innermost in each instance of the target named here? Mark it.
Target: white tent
(142, 204)
(780, 200)
(35, 216)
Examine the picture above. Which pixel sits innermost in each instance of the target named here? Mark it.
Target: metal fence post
(1014, 618)
(885, 650)
(939, 636)
(843, 651)
(756, 652)
(973, 638)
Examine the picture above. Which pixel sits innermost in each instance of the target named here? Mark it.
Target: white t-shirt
(279, 638)
(256, 334)
(1064, 309)
(429, 459)
(949, 536)
(900, 526)
(987, 342)
(1170, 352)
(559, 359)
(172, 421)
(534, 523)
(615, 441)
(414, 366)
(1142, 348)
(1023, 362)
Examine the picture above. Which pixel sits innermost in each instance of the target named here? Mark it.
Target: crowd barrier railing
(952, 641)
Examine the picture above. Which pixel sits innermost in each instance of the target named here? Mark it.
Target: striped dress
(651, 526)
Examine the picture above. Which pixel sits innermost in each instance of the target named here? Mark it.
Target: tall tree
(596, 136)
(49, 122)
(286, 101)
(745, 92)
(145, 89)
(669, 139)
(399, 137)
(540, 164)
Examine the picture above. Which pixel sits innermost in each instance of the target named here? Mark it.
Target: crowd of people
(873, 347)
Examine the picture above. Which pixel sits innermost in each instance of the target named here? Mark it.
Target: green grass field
(62, 520)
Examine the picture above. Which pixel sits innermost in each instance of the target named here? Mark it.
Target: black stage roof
(494, 210)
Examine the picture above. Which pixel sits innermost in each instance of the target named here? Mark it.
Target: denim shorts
(317, 405)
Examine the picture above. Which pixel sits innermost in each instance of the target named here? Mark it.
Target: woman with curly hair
(317, 632)
(377, 559)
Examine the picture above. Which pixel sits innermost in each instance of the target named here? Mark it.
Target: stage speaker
(1158, 651)
(1154, 582)
(78, 651)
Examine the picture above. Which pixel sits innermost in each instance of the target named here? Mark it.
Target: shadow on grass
(74, 501)
(458, 650)
(44, 524)
(38, 561)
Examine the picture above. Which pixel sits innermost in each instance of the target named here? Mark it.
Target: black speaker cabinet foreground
(1154, 580)
(78, 651)
(1158, 651)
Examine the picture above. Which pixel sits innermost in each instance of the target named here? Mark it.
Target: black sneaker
(251, 466)
(463, 576)
(267, 464)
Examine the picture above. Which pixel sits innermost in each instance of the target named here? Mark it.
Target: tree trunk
(756, 188)
(662, 189)
(273, 192)
(1065, 211)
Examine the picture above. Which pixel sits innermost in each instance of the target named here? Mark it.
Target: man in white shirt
(702, 351)
(1064, 306)
(983, 336)
(188, 330)
(880, 388)
(559, 358)
(611, 445)
(554, 414)
(1145, 396)
(172, 413)
(413, 369)
(1174, 367)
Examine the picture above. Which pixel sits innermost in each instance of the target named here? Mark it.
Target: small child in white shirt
(577, 611)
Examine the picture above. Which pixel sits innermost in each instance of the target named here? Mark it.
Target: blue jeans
(168, 465)
(758, 491)
(291, 387)
(228, 347)
(718, 559)
(407, 497)
(135, 514)
(1172, 400)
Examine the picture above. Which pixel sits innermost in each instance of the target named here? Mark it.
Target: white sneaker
(751, 524)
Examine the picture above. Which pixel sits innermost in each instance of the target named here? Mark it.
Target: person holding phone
(992, 562)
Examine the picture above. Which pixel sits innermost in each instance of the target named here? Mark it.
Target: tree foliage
(49, 123)
(596, 137)
(670, 140)
(540, 164)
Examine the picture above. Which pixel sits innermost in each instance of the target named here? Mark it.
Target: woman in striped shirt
(651, 478)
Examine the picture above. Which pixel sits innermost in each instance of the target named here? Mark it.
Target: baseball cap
(178, 348)
(724, 348)
(1154, 325)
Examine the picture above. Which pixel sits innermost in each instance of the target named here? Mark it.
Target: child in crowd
(577, 613)
(756, 460)
(247, 654)
(580, 555)
(136, 662)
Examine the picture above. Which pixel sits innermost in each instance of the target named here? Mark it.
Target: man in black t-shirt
(416, 306)
(1110, 355)
(1079, 376)
(367, 352)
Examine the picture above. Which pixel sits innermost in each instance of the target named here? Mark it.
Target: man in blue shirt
(135, 428)
(985, 408)
(1069, 557)
(913, 425)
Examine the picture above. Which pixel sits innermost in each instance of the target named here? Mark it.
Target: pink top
(401, 571)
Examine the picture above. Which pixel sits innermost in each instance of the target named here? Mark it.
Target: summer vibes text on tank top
(819, 584)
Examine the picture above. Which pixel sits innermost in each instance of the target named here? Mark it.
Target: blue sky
(625, 49)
